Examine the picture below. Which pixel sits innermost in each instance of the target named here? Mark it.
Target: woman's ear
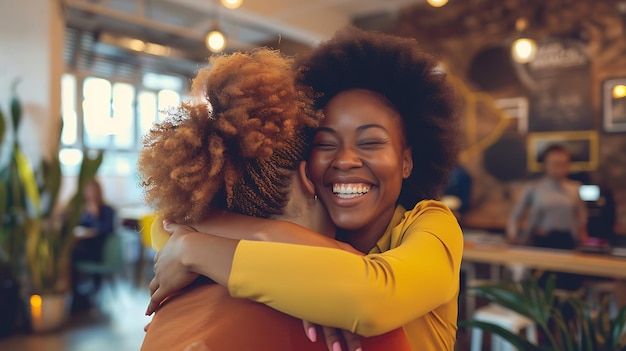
(304, 178)
(407, 162)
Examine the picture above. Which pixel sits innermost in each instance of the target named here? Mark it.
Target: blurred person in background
(96, 223)
(556, 217)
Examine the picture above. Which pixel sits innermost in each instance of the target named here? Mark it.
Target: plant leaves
(518, 341)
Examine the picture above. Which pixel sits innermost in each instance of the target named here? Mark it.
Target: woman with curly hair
(379, 158)
(237, 149)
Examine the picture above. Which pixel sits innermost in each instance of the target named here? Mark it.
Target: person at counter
(556, 217)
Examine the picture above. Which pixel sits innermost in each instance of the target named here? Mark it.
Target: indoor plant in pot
(37, 233)
(569, 325)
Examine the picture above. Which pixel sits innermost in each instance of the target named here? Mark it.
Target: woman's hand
(170, 274)
(334, 337)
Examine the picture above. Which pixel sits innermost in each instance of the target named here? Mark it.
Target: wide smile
(350, 190)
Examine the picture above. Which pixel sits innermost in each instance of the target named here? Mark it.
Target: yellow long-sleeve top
(410, 279)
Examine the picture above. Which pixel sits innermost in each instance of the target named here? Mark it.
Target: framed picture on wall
(614, 105)
(582, 146)
(517, 110)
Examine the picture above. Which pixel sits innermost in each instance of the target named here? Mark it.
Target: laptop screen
(589, 192)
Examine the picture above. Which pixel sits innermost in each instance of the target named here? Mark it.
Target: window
(111, 115)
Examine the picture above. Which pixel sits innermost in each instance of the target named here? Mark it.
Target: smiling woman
(358, 162)
(378, 159)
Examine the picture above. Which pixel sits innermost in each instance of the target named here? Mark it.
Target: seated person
(242, 154)
(97, 222)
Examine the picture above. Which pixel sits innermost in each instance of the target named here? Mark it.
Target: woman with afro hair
(236, 149)
(379, 159)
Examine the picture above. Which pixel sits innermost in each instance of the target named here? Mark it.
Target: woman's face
(557, 164)
(358, 162)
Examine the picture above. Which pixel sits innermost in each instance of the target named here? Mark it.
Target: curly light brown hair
(407, 78)
(235, 148)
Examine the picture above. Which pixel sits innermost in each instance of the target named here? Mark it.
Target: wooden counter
(549, 259)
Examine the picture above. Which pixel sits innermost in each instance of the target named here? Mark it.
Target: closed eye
(324, 145)
(373, 144)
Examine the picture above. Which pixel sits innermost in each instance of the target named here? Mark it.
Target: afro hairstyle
(235, 147)
(408, 79)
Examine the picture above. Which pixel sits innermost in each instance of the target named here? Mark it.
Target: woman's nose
(347, 158)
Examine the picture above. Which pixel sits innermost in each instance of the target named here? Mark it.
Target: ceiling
(102, 32)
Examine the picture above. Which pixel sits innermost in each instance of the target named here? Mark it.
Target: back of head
(410, 80)
(234, 148)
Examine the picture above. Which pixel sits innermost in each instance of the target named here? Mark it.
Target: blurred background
(528, 73)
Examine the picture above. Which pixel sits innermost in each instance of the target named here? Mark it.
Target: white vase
(48, 312)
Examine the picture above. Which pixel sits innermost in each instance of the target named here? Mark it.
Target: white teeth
(349, 191)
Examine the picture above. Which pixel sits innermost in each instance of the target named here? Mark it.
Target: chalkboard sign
(560, 91)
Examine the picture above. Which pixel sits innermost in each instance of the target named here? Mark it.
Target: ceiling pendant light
(437, 3)
(523, 49)
(215, 41)
(231, 4)
(619, 91)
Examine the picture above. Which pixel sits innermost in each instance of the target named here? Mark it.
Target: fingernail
(336, 346)
(358, 349)
(311, 334)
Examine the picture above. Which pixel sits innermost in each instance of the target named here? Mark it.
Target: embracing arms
(357, 293)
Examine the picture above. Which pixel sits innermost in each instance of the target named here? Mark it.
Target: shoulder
(573, 186)
(573, 183)
(427, 207)
(434, 217)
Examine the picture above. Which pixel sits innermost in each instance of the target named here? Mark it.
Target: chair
(112, 260)
(505, 318)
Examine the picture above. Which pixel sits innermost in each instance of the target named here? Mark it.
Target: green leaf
(618, 330)
(16, 106)
(51, 182)
(3, 127)
(518, 341)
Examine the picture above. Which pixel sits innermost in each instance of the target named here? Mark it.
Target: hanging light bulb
(619, 91)
(232, 4)
(215, 41)
(523, 49)
(437, 3)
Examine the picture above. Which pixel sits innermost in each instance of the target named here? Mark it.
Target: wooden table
(596, 265)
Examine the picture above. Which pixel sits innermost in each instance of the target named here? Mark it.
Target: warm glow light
(619, 91)
(437, 3)
(524, 50)
(35, 307)
(215, 41)
(35, 301)
(232, 4)
(136, 44)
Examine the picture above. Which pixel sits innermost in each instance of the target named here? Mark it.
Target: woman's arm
(357, 292)
(236, 226)
(366, 295)
(240, 227)
(188, 252)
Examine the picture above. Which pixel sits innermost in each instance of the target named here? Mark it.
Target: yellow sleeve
(158, 235)
(368, 295)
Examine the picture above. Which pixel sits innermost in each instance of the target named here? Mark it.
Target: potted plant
(583, 329)
(37, 237)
